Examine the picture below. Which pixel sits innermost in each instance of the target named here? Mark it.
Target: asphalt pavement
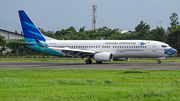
(94, 66)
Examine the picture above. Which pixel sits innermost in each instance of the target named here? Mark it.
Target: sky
(53, 15)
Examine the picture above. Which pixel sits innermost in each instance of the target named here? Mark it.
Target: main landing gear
(98, 62)
(158, 61)
(88, 61)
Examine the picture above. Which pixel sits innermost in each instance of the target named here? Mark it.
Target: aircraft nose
(170, 51)
(174, 50)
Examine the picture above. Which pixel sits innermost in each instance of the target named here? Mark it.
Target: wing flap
(75, 52)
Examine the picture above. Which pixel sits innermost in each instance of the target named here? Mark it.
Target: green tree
(16, 48)
(47, 33)
(82, 29)
(2, 44)
(173, 38)
(174, 20)
(50, 34)
(143, 30)
(142, 27)
(72, 29)
(42, 31)
(157, 34)
(2, 41)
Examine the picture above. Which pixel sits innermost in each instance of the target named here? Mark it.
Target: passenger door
(154, 47)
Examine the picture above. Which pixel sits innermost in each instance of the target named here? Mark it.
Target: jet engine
(104, 56)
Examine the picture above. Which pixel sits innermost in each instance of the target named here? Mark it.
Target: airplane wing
(78, 53)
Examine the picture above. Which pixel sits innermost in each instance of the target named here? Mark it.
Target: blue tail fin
(29, 29)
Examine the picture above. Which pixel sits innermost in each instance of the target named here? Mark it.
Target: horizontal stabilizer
(38, 42)
(27, 43)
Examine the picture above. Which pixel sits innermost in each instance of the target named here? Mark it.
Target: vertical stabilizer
(29, 29)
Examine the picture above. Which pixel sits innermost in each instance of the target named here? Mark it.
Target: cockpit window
(163, 46)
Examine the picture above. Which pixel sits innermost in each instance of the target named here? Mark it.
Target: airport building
(125, 32)
(8, 35)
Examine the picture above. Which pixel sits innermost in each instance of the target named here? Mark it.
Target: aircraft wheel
(159, 61)
(88, 61)
(98, 62)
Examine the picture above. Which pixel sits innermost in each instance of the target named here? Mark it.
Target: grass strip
(42, 84)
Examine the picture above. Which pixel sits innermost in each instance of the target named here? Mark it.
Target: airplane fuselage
(119, 48)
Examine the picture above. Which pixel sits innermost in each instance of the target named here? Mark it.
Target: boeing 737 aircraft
(99, 50)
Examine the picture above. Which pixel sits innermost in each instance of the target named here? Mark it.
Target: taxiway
(103, 66)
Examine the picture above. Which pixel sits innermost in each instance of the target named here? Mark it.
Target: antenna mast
(94, 16)
(160, 21)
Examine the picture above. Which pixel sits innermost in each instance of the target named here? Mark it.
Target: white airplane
(99, 50)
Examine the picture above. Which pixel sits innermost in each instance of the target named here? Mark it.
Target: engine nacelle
(105, 56)
(120, 59)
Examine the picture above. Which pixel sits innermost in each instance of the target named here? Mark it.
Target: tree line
(142, 31)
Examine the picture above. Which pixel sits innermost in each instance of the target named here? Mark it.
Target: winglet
(102, 38)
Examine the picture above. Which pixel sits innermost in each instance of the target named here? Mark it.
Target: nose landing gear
(159, 61)
(161, 58)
